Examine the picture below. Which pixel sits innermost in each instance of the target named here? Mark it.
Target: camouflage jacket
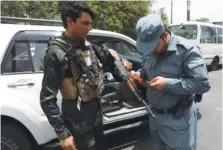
(54, 73)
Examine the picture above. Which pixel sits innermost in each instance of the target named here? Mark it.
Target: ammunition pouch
(68, 90)
(87, 91)
(87, 80)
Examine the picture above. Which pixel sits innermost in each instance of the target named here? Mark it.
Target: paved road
(209, 124)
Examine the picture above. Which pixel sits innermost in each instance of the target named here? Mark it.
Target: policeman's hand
(68, 143)
(127, 64)
(158, 83)
(114, 54)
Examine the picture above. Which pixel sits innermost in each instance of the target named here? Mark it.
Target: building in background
(213, 11)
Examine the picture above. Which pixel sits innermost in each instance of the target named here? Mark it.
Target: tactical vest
(86, 82)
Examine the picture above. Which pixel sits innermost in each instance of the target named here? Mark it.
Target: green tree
(30, 9)
(203, 20)
(163, 16)
(119, 16)
(12, 8)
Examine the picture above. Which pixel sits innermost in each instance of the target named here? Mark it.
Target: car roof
(9, 30)
(197, 23)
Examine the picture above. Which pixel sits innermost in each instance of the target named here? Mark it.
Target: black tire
(13, 138)
(214, 64)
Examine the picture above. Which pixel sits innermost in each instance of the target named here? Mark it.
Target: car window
(219, 35)
(27, 52)
(38, 42)
(208, 34)
(122, 47)
(18, 59)
(38, 50)
(186, 31)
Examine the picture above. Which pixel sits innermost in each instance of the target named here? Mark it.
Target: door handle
(20, 83)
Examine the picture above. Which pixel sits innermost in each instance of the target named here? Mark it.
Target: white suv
(22, 50)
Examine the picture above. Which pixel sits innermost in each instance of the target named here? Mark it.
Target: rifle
(128, 79)
(131, 84)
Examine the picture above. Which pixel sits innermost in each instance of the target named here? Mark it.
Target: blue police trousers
(169, 133)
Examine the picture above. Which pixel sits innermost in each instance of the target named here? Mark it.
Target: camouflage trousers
(85, 125)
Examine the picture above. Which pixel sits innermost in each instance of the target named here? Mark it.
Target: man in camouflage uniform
(74, 67)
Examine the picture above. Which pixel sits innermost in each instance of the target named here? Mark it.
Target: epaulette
(184, 43)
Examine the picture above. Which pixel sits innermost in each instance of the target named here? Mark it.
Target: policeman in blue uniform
(175, 71)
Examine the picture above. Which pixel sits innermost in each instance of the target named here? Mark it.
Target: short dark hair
(73, 9)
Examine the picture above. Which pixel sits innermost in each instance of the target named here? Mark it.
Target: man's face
(162, 44)
(81, 26)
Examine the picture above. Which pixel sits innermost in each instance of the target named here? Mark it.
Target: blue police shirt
(183, 68)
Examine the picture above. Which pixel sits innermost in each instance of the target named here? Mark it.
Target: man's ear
(69, 21)
(166, 36)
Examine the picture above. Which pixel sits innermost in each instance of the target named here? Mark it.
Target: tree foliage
(117, 16)
(30, 9)
(163, 16)
(203, 20)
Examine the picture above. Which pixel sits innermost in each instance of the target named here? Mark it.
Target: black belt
(165, 111)
(181, 105)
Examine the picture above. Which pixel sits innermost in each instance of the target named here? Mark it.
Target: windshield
(186, 31)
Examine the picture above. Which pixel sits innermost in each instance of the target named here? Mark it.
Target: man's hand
(127, 64)
(68, 143)
(158, 83)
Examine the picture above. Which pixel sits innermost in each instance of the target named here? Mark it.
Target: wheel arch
(18, 124)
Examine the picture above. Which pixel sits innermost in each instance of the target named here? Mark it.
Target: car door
(22, 66)
(117, 99)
